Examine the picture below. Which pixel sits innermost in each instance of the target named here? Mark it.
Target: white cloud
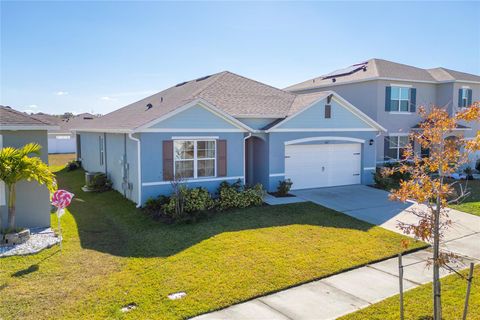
(61, 93)
(107, 98)
(32, 106)
(29, 111)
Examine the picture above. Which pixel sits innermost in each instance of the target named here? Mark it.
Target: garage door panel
(323, 165)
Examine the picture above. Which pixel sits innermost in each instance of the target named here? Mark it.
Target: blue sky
(99, 56)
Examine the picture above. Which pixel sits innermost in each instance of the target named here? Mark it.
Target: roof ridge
(267, 85)
(11, 110)
(219, 76)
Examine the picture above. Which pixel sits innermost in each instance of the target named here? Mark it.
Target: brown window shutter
(222, 158)
(167, 160)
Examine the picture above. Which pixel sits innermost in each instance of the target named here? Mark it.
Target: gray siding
(33, 204)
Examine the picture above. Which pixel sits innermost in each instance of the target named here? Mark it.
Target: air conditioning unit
(89, 178)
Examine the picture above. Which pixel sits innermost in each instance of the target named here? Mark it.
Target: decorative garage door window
(195, 158)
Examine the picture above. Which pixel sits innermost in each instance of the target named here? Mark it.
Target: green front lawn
(113, 255)
(418, 302)
(472, 203)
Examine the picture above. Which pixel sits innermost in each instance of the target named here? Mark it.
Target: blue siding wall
(91, 151)
(277, 152)
(314, 117)
(115, 146)
(196, 117)
(256, 123)
(152, 170)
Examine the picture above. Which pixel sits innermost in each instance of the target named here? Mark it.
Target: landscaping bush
(73, 165)
(100, 182)
(188, 204)
(284, 187)
(237, 196)
(389, 182)
(468, 173)
(153, 206)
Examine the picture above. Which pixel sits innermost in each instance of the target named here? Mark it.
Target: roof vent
(202, 78)
(149, 106)
(181, 84)
(334, 80)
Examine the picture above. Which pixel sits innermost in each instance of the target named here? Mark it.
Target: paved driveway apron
(347, 292)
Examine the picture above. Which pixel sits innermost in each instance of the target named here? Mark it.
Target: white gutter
(139, 171)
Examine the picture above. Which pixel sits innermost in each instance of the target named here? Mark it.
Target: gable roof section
(307, 101)
(11, 119)
(228, 93)
(383, 69)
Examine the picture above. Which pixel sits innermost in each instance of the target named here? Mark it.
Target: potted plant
(16, 165)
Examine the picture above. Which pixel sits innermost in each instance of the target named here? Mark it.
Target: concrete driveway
(359, 201)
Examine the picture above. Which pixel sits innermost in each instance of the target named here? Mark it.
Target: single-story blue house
(228, 127)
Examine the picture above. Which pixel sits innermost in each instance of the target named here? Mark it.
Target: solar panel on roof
(346, 71)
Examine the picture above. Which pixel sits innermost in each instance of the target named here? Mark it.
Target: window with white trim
(398, 144)
(195, 158)
(399, 99)
(464, 100)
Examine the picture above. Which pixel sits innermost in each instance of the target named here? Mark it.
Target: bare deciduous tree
(430, 182)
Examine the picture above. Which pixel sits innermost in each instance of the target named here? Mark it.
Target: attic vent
(181, 84)
(149, 106)
(161, 99)
(202, 78)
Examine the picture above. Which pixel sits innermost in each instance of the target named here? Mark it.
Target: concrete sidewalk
(350, 291)
(347, 292)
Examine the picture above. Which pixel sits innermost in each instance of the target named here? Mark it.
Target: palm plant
(15, 166)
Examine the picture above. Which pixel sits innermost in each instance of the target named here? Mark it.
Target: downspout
(244, 157)
(105, 152)
(139, 169)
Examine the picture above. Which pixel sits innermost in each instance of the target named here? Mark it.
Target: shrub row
(189, 204)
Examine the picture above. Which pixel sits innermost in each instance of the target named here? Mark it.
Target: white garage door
(323, 165)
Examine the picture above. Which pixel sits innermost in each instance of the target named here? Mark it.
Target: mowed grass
(418, 302)
(472, 203)
(58, 161)
(114, 255)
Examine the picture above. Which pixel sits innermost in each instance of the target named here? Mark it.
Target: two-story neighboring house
(390, 93)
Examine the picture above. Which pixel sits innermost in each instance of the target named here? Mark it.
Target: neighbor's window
(397, 144)
(464, 100)
(195, 159)
(101, 147)
(399, 100)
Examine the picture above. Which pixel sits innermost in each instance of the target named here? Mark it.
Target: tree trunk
(437, 302)
(11, 206)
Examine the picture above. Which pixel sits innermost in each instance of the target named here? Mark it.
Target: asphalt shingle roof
(379, 68)
(11, 117)
(233, 94)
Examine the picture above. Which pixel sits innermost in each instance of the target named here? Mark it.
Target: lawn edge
(315, 279)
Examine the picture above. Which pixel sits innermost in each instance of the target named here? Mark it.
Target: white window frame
(400, 88)
(464, 98)
(398, 147)
(101, 148)
(195, 158)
